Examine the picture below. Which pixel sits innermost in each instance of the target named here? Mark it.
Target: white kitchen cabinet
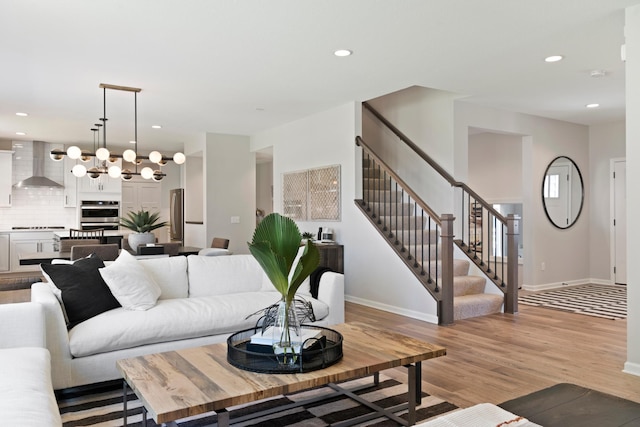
(104, 184)
(39, 241)
(70, 191)
(6, 170)
(4, 252)
(137, 196)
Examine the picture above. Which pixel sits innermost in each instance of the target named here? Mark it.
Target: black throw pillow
(84, 293)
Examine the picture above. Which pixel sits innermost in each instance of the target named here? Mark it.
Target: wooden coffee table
(183, 383)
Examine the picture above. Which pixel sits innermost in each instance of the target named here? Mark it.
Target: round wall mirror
(562, 192)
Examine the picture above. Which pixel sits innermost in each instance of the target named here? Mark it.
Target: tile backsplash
(37, 206)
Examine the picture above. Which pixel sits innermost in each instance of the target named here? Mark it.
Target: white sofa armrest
(331, 292)
(57, 336)
(22, 325)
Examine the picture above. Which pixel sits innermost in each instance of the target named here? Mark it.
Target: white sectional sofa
(202, 301)
(26, 391)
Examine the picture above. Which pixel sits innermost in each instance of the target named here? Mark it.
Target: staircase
(417, 245)
(424, 239)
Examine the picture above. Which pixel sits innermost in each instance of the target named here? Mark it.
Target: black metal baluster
(402, 220)
(397, 242)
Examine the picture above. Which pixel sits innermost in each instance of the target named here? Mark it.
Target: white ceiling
(242, 66)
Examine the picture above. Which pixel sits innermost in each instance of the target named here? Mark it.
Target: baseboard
(632, 368)
(393, 309)
(556, 285)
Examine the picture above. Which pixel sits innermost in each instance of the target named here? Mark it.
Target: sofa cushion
(170, 274)
(174, 319)
(220, 275)
(84, 293)
(26, 392)
(130, 283)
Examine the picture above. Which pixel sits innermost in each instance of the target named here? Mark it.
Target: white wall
(495, 167)
(374, 275)
(264, 187)
(230, 190)
(632, 72)
(194, 194)
(565, 253)
(606, 142)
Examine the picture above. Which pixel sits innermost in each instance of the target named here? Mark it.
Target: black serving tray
(260, 358)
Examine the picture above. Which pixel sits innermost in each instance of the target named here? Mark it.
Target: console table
(331, 256)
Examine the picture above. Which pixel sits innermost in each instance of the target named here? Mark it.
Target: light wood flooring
(499, 357)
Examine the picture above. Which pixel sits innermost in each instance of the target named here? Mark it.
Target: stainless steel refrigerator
(176, 219)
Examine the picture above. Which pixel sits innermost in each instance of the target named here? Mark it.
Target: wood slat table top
(182, 383)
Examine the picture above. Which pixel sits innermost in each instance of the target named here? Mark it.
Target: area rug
(105, 409)
(569, 405)
(607, 301)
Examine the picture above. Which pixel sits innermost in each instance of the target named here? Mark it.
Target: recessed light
(156, 127)
(553, 58)
(132, 142)
(22, 114)
(20, 133)
(592, 105)
(342, 52)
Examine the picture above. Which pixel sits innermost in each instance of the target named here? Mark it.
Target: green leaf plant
(275, 245)
(141, 221)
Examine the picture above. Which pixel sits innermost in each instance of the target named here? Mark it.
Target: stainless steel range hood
(38, 179)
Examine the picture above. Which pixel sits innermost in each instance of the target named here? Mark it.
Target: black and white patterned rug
(607, 301)
(105, 409)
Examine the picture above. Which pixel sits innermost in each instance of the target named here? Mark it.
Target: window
(552, 186)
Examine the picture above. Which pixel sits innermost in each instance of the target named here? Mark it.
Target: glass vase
(286, 333)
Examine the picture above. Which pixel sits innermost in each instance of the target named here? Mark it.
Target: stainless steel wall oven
(99, 214)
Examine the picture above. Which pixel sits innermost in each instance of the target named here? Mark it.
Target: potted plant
(142, 223)
(275, 244)
(306, 236)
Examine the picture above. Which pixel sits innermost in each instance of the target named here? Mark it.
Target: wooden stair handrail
(450, 179)
(360, 142)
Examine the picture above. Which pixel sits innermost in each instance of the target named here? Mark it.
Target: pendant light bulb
(129, 155)
(179, 158)
(114, 171)
(157, 175)
(146, 172)
(74, 152)
(155, 157)
(56, 157)
(79, 171)
(94, 173)
(126, 175)
(102, 153)
(85, 157)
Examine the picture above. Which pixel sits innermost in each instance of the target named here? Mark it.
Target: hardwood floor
(499, 357)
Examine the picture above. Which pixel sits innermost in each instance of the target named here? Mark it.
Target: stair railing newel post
(445, 316)
(513, 231)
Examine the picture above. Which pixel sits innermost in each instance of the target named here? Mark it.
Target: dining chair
(219, 242)
(108, 252)
(86, 234)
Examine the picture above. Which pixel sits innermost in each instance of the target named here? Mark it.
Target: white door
(620, 221)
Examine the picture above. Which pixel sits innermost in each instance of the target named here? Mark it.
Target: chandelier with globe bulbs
(105, 161)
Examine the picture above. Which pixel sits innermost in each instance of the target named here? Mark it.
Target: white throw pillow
(130, 283)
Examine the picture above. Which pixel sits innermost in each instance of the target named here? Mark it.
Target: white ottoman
(481, 415)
